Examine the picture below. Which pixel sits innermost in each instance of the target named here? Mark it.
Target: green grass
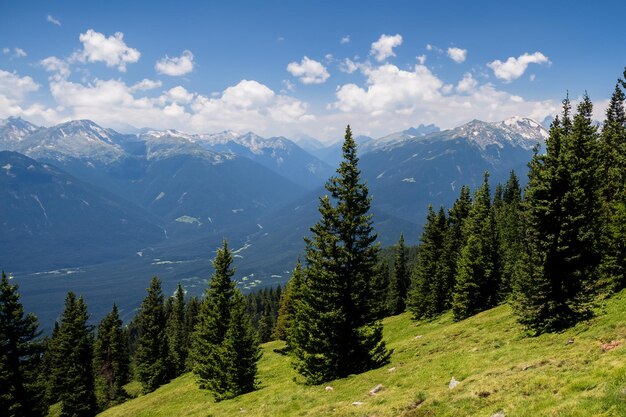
(498, 367)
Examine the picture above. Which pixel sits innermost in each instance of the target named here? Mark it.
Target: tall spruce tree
(288, 300)
(241, 347)
(428, 297)
(152, 354)
(557, 286)
(612, 166)
(509, 227)
(111, 360)
(20, 351)
(401, 280)
(380, 299)
(478, 276)
(335, 333)
(223, 326)
(73, 347)
(177, 335)
(455, 240)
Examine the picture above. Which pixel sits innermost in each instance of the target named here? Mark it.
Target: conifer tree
(478, 271)
(335, 333)
(111, 360)
(612, 159)
(509, 227)
(287, 304)
(380, 293)
(454, 240)
(241, 347)
(152, 354)
(401, 280)
(20, 350)
(177, 335)
(562, 226)
(73, 353)
(266, 322)
(192, 310)
(428, 296)
(219, 369)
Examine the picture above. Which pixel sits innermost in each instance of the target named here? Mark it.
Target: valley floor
(499, 369)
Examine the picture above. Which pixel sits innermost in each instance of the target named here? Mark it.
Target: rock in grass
(358, 403)
(499, 414)
(453, 383)
(376, 389)
(329, 388)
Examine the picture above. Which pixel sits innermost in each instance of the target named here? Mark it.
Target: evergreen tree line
(553, 250)
(85, 370)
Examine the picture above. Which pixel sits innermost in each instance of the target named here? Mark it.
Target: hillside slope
(578, 372)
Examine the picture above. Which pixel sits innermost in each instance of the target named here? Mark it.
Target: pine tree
(73, 354)
(286, 310)
(335, 333)
(380, 299)
(111, 360)
(454, 241)
(428, 297)
(478, 271)
(177, 335)
(219, 369)
(192, 310)
(266, 322)
(152, 354)
(612, 159)
(563, 222)
(20, 352)
(241, 348)
(509, 227)
(401, 280)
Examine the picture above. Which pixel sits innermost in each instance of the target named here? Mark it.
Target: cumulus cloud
(345, 39)
(14, 86)
(13, 92)
(458, 55)
(467, 84)
(421, 59)
(145, 85)
(308, 71)
(56, 65)
(348, 66)
(52, 20)
(111, 50)
(513, 68)
(393, 97)
(383, 47)
(19, 53)
(175, 66)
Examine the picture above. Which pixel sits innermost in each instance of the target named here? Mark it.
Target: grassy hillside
(575, 373)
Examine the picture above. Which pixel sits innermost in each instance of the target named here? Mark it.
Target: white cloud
(179, 94)
(145, 85)
(308, 71)
(532, 77)
(393, 98)
(421, 59)
(430, 47)
(175, 66)
(345, 40)
(113, 51)
(14, 86)
(56, 65)
(467, 84)
(20, 53)
(52, 20)
(6, 51)
(383, 47)
(13, 92)
(458, 55)
(348, 66)
(513, 68)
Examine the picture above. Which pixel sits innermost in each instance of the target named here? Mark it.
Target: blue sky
(298, 68)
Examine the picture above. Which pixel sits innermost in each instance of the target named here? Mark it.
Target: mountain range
(85, 204)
